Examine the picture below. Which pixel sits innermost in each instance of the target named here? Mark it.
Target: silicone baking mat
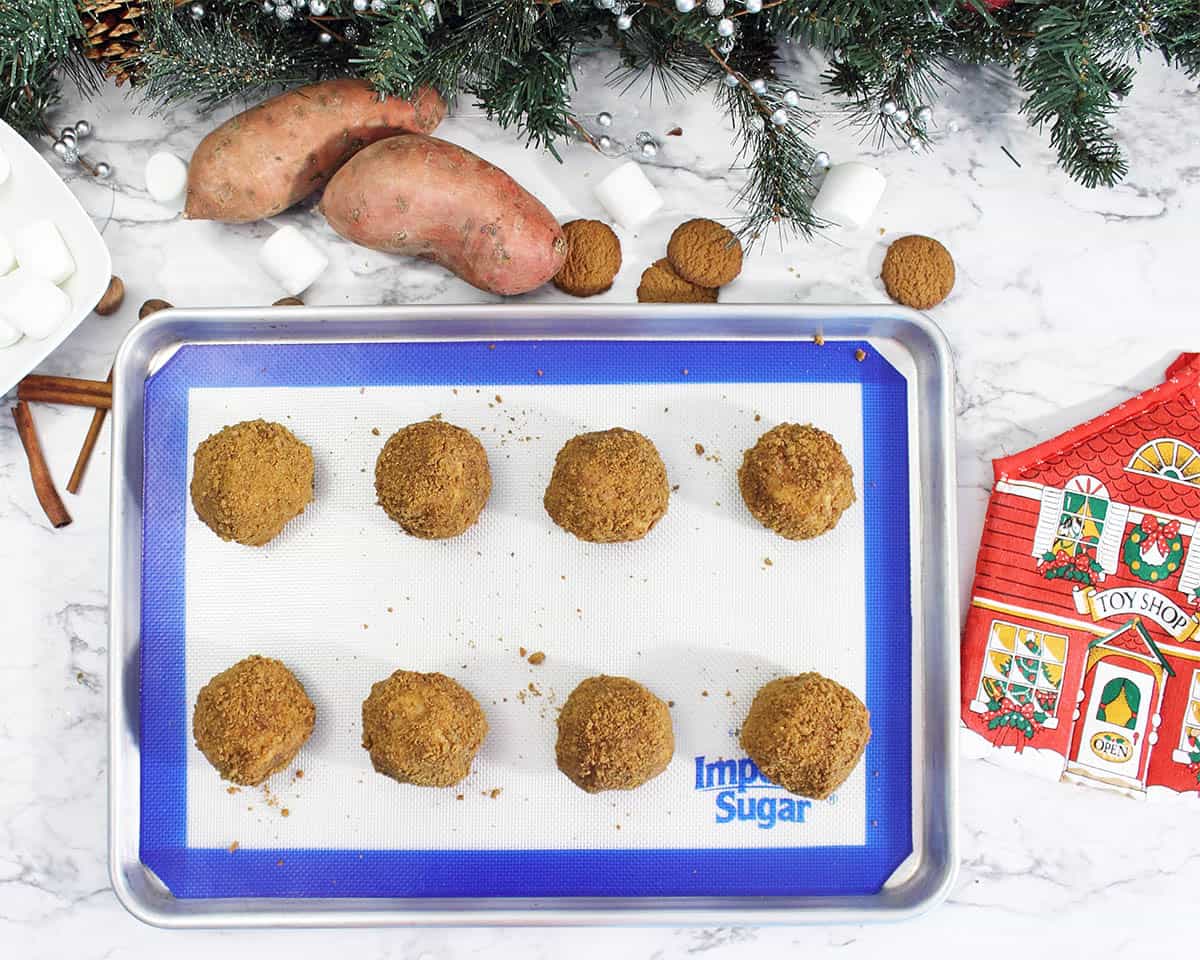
(703, 611)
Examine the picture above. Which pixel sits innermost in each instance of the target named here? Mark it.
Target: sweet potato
(428, 198)
(263, 161)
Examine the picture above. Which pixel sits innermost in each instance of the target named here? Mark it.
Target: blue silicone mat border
(781, 871)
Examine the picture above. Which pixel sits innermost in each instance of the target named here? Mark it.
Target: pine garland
(513, 59)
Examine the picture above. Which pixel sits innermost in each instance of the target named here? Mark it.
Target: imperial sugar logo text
(741, 793)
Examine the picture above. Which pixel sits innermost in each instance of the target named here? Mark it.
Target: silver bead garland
(725, 27)
(604, 118)
(685, 6)
(888, 108)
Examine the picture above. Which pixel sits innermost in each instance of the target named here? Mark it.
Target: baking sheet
(695, 611)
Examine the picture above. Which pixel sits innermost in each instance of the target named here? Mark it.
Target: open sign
(1112, 747)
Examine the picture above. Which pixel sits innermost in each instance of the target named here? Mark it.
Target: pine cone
(113, 31)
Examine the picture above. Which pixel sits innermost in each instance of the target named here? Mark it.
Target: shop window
(1025, 665)
(1120, 702)
(1170, 459)
(1080, 519)
(1189, 738)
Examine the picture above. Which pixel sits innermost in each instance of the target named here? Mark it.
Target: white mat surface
(344, 597)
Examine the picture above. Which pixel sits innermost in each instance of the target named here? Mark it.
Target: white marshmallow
(292, 260)
(628, 195)
(33, 304)
(41, 250)
(8, 334)
(166, 177)
(849, 195)
(8, 259)
(5, 167)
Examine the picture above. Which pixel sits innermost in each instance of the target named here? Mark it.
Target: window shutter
(1049, 514)
(1108, 550)
(1189, 580)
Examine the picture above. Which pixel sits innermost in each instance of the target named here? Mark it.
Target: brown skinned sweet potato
(425, 197)
(263, 161)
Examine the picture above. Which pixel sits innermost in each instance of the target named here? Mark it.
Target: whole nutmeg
(288, 302)
(152, 305)
(112, 298)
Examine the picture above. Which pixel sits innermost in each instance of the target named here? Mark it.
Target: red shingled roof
(1104, 446)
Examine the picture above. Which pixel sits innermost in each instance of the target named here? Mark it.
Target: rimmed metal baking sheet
(186, 365)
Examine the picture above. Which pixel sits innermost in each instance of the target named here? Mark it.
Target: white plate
(35, 190)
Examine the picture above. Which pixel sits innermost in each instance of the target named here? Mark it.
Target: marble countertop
(1067, 300)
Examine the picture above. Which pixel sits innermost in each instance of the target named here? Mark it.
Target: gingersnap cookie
(661, 284)
(593, 258)
(705, 253)
(918, 272)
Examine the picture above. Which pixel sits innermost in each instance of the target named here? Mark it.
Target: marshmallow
(33, 304)
(8, 259)
(628, 195)
(292, 260)
(849, 195)
(8, 334)
(166, 177)
(41, 251)
(5, 167)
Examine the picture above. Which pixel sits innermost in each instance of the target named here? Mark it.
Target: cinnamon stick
(89, 446)
(69, 390)
(39, 472)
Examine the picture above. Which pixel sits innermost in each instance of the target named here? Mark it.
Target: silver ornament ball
(792, 98)
(379, 5)
(753, 6)
(900, 116)
(268, 6)
(685, 6)
(714, 8)
(624, 21)
(68, 133)
(429, 8)
(325, 37)
(361, 5)
(821, 160)
(83, 129)
(197, 11)
(604, 142)
(888, 108)
(318, 8)
(725, 27)
(650, 149)
(759, 86)
(924, 116)
(731, 80)
(643, 137)
(351, 31)
(285, 12)
(103, 170)
(605, 4)
(60, 148)
(780, 117)
(604, 118)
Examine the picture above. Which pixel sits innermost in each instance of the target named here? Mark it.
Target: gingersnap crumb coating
(433, 479)
(806, 733)
(918, 272)
(797, 481)
(705, 253)
(251, 720)
(422, 728)
(607, 487)
(250, 479)
(592, 261)
(613, 734)
(661, 284)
